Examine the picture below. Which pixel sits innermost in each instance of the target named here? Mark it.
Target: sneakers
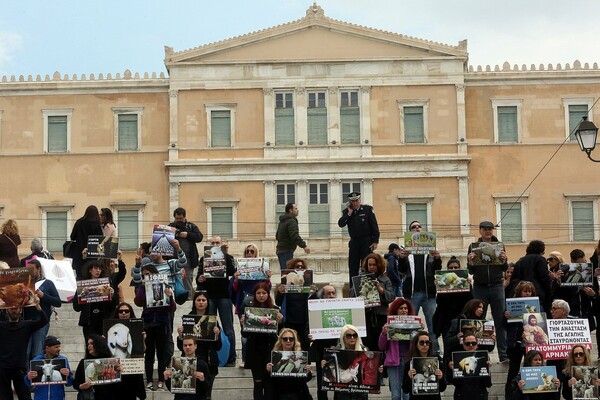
(160, 386)
(241, 364)
(503, 360)
(150, 386)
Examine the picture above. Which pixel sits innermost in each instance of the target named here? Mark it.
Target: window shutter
(128, 132)
(57, 134)
(284, 127)
(222, 222)
(220, 128)
(511, 225)
(416, 212)
(317, 126)
(350, 125)
(56, 230)
(318, 220)
(128, 229)
(583, 221)
(576, 114)
(414, 131)
(507, 124)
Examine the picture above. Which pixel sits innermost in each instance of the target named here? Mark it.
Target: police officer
(363, 230)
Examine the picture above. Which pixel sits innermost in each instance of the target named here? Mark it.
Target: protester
(52, 347)
(474, 387)
(421, 346)
(37, 251)
(96, 348)
(578, 356)
(201, 373)
(288, 235)
(9, 243)
(534, 358)
(187, 235)
(86, 226)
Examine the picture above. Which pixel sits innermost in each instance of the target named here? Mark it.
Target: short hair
(560, 303)
(36, 244)
(525, 285)
(381, 264)
(179, 211)
(535, 247)
(575, 254)
(395, 305)
(288, 207)
(412, 222)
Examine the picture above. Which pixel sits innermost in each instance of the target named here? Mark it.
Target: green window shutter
(128, 229)
(57, 133)
(414, 130)
(507, 124)
(56, 230)
(220, 128)
(128, 132)
(416, 212)
(318, 220)
(583, 221)
(317, 126)
(576, 114)
(512, 223)
(222, 222)
(350, 125)
(284, 127)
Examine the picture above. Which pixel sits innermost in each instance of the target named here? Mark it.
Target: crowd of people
(403, 281)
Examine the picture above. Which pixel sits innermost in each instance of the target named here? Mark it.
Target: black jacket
(288, 234)
(486, 275)
(188, 244)
(534, 268)
(362, 224)
(431, 265)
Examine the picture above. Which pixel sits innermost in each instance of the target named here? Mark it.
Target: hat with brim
(486, 224)
(354, 196)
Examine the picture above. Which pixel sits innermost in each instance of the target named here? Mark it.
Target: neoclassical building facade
(307, 112)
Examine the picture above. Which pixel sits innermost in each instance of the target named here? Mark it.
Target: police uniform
(363, 230)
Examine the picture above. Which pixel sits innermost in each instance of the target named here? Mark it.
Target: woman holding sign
(579, 356)
(534, 358)
(421, 346)
(96, 348)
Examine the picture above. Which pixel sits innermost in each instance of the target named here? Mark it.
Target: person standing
(50, 392)
(9, 243)
(108, 224)
(419, 281)
(288, 235)
(488, 285)
(392, 270)
(85, 226)
(474, 388)
(201, 374)
(188, 235)
(533, 267)
(363, 230)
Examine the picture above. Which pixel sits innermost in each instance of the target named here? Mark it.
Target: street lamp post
(586, 135)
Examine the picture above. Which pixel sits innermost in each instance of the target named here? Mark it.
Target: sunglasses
(578, 354)
(551, 259)
(124, 311)
(470, 344)
(287, 339)
(351, 335)
(250, 251)
(299, 266)
(415, 226)
(424, 343)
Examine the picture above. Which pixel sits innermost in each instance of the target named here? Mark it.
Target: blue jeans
(284, 258)
(494, 296)
(395, 379)
(225, 309)
(36, 342)
(420, 299)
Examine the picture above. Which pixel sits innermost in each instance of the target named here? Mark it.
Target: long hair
(529, 357)
(279, 344)
(121, 304)
(395, 305)
(88, 267)
(471, 306)
(378, 260)
(269, 302)
(100, 347)
(359, 344)
(91, 214)
(10, 228)
(413, 351)
(108, 215)
(291, 264)
(571, 359)
(196, 295)
(521, 286)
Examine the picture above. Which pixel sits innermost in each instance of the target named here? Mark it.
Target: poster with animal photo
(576, 275)
(213, 264)
(93, 290)
(470, 364)
(403, 327)
(201, 327)
(364, 286)
(297, 280)
(420, 242)
(162, 237)
(535, 330)
(48, 371)
(517, 306)
(102, 371)
(326, 317)
(289, 363)
(562, 335)
(350, 371)
(260, 320)
(253, 268)
(539, 379)
(102, 247)
(455, 281)
(487, 253)
(585, 383)
(156, 285)
(425, 381)
(17, 287)
(183, 369)
(125, 338)
(482, 329)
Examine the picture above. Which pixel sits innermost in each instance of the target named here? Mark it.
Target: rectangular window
(128, 131)
(128, 228)
(222, 221)
(511, 225)
(318, 210)
(583, 220)
(284, 119)
(576, 114)
(57, 134)
(416, 212)
(56, 230)
(414, 127)
(508, 126)
(220, 129)
(349, 118)
(316, 115)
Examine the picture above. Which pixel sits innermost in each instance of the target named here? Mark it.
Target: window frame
(422, 199)
(233, 204)
(139, 111)
(209, 108)
(57, 112)
(500, 199)
(55, 207)
(349, 93)
(580, 101)
(319, 204)
(402, 104)
(138, 206)
(294, 114)
(323, 107)
(580, 197)
(507, 103)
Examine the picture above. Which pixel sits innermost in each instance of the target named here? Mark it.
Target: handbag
(181, 294)
(69, 248)
(87, 394)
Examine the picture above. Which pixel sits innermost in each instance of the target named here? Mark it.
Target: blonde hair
(346, 328)
(279, 344)
(571, 359)
(557, 255)
(10, 228)
(251, 246)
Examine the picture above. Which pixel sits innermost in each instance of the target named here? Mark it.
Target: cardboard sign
(48, 371)
(326, 317)
(349, 371)
(539, 379)
(470, 364)
(125, 338)
(289, 363)
(183, 380)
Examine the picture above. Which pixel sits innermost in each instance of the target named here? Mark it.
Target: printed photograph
(364, 286)
(101, 371)
(162, 236)
(289, 363)
(156, 285)
(297, 281)
(201, 327)
(425, 381)
(183, 375)
(48, 371)
(93, 290)
(469, 364)
(17, 287)
(539, 379)
(261, 320)
(350, 371)
(487, 253)
(456, 281)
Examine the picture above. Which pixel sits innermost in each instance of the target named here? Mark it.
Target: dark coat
(288, 235)
(534, 268)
